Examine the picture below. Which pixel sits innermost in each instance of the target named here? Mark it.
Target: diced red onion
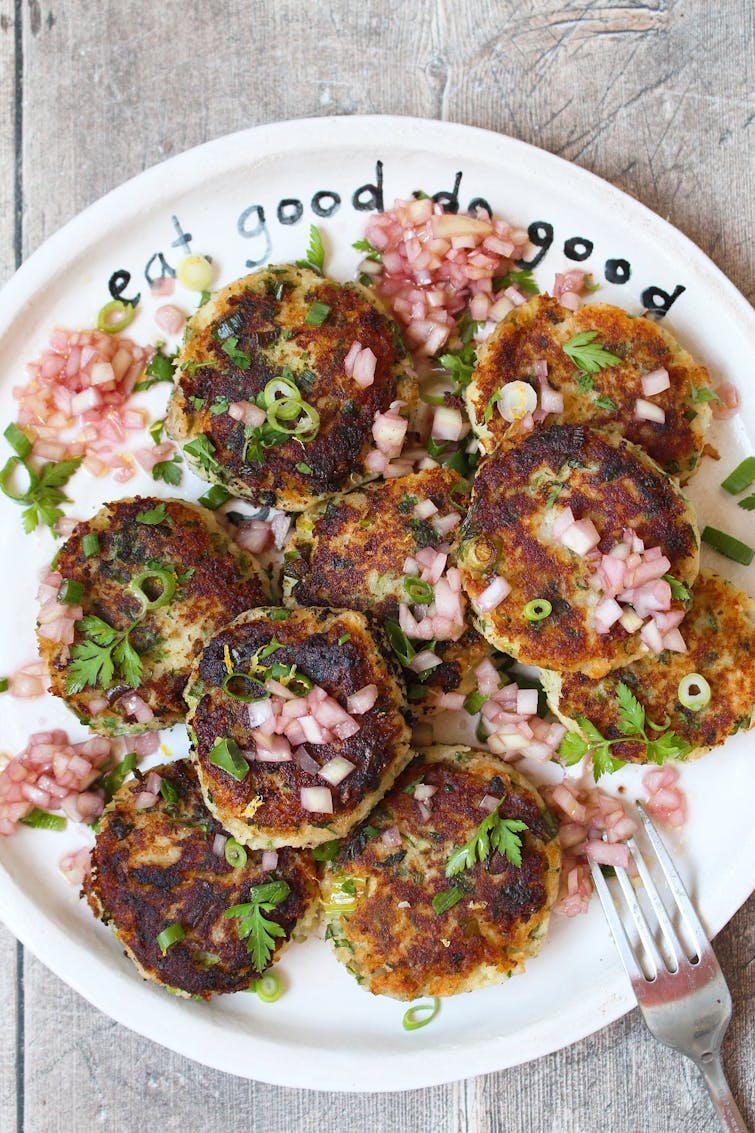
(655, 382)
(493, 594)
(648, 411)
(489, 803)
(336, 770)
(391, 838)
(581, 537)
(424, 791)
(447, 424)
(269, 860)
(423, 661)
(363, 700)
(218, 845)
(316, 800)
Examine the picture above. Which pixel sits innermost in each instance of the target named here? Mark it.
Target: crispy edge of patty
(353, 664)
(655, 680)
(511, 481)
(278, 481)
(118, 898)
(406, 953)
(538, 330)
(242, 583)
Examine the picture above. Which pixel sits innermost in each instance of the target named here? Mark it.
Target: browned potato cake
(271, 803)
(157, 881)
(351, 550)
(400, 924)
(275, 343)
(155, 578)
(719, 631)
(517, 497)
(538, 330)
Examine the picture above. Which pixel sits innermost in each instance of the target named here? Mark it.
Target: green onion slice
(240, 686)
(18, 440)
(144, 585)
(115, 316)
(226, 754)
(43, 820)
(90, 544)
(71, 592)
(235, 853)
(728, 546)
(398, 641)
(694, 692)
(7, 475)
(421, 1014)
(170, 936)
(168, 792)
(446, 899)
(3, 684)
(738, 480)
(215, 497)
(537, 609)
(317, 314)
(326, 851)
(419, 592)
(115, 779)
(269, 988)
(474, 702)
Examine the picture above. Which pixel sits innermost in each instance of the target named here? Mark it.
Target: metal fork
(679, 985)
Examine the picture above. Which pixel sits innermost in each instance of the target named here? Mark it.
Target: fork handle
(721, 1096)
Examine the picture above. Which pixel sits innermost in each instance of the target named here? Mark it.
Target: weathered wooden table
(657, 98)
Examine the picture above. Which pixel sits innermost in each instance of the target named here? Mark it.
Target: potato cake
(607, 396)
(352, 551)
(268, 401)
(154, 578)
(402, 921)
(719, 631)
(510, 539)
(164, 886)
(296, 725)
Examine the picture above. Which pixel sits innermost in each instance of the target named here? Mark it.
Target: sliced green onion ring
(71, 592)
(18, 440)
(90, 544)
(280, 387)
(269, 988)
(537, 609)
(694, 692)
(9, 469)
(170, 936)
(235, 853)
(43, 820)
(421, 1014)
(240, 686)
(115, 316)
(419, 592)
(304, 417)
(165, 579)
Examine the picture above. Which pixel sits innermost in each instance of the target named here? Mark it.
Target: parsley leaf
(370, 252)
(587, 354)
(157, 429)
(493, 833)
(524, 280)
(44, 495)
(203, 451)
(95, 661)
(152, 516)
(315, 260)
(158, 369)
(492, 402)
(240, 358)
(585, 382)
(748, 503)
(701, 394)
(168, 470)
(678, 589)
(260, 932)
(606, 403)
(632, 725)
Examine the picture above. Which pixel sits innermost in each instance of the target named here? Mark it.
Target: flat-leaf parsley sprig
(315, 260)
(105, 652)
(587, 354)
(258, 930)
(632, 725)
(493, 833)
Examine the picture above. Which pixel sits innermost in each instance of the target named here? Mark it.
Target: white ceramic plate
(234, 197)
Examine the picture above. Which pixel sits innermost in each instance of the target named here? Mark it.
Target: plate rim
(270, 142)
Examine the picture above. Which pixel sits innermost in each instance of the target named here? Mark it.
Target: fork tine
(676, 887)
(624, 948)
(656, 901)
(644, 931)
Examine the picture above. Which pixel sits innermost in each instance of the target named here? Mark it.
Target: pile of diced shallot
(75, 402)
(442, 617)
(433, 263)
(56, 775)
(284, 724)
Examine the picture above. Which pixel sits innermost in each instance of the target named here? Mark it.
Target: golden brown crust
(264, 809)
(516, 498)
(719, 631)
(351, 550)
(266, 314)
(537, 332)
(386, 930)
(215, 581)
(156, 867)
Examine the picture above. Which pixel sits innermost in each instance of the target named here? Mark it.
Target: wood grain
(656, 97)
